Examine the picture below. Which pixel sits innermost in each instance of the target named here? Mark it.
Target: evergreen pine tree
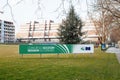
(70, 29)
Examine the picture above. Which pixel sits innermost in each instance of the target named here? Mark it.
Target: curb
(118, 57)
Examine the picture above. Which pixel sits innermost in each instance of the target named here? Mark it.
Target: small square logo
(87, 48)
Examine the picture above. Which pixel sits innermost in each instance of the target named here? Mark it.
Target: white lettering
(33, 50)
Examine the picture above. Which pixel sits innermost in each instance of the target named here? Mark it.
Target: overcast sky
(28, 10)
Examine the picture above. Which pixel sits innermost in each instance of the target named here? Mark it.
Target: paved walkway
(118, 57)
(116, 51)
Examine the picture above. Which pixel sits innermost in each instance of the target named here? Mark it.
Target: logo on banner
(85, 48)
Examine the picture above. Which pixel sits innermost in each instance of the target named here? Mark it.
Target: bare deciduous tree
(40, 7)
(105, 15)
(115, 35)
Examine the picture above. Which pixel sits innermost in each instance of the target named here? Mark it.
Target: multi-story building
(91, 34)
(37, 32)
(7, 32)
(47, 32)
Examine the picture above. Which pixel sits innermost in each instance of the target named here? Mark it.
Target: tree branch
(11, 11)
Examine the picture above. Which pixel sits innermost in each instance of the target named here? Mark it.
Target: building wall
(42, 32)
(38, 32)
(90, 32)
(7, 32)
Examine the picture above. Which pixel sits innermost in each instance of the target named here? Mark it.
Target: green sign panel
(54, 48)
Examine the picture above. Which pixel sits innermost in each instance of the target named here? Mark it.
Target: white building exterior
(39, 32)
(91, 34)
(7, 32)
(48, 32)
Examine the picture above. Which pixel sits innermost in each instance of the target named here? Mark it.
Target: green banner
(54, 48)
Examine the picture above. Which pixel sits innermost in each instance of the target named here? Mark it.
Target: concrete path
(118, 57)
(116, 51)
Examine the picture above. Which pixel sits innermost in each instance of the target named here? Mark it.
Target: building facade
(7, 32)
(37, 32)
(91, 34)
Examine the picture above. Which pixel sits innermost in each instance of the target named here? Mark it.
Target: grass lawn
(97, 66)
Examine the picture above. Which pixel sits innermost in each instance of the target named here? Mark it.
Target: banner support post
(22, 55)
(40, 55)
(57, 55)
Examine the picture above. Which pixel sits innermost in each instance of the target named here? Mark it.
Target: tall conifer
(70, 29)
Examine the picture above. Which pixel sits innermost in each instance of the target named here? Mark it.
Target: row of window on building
(7, 32)
(48, 32)
(37, 32)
